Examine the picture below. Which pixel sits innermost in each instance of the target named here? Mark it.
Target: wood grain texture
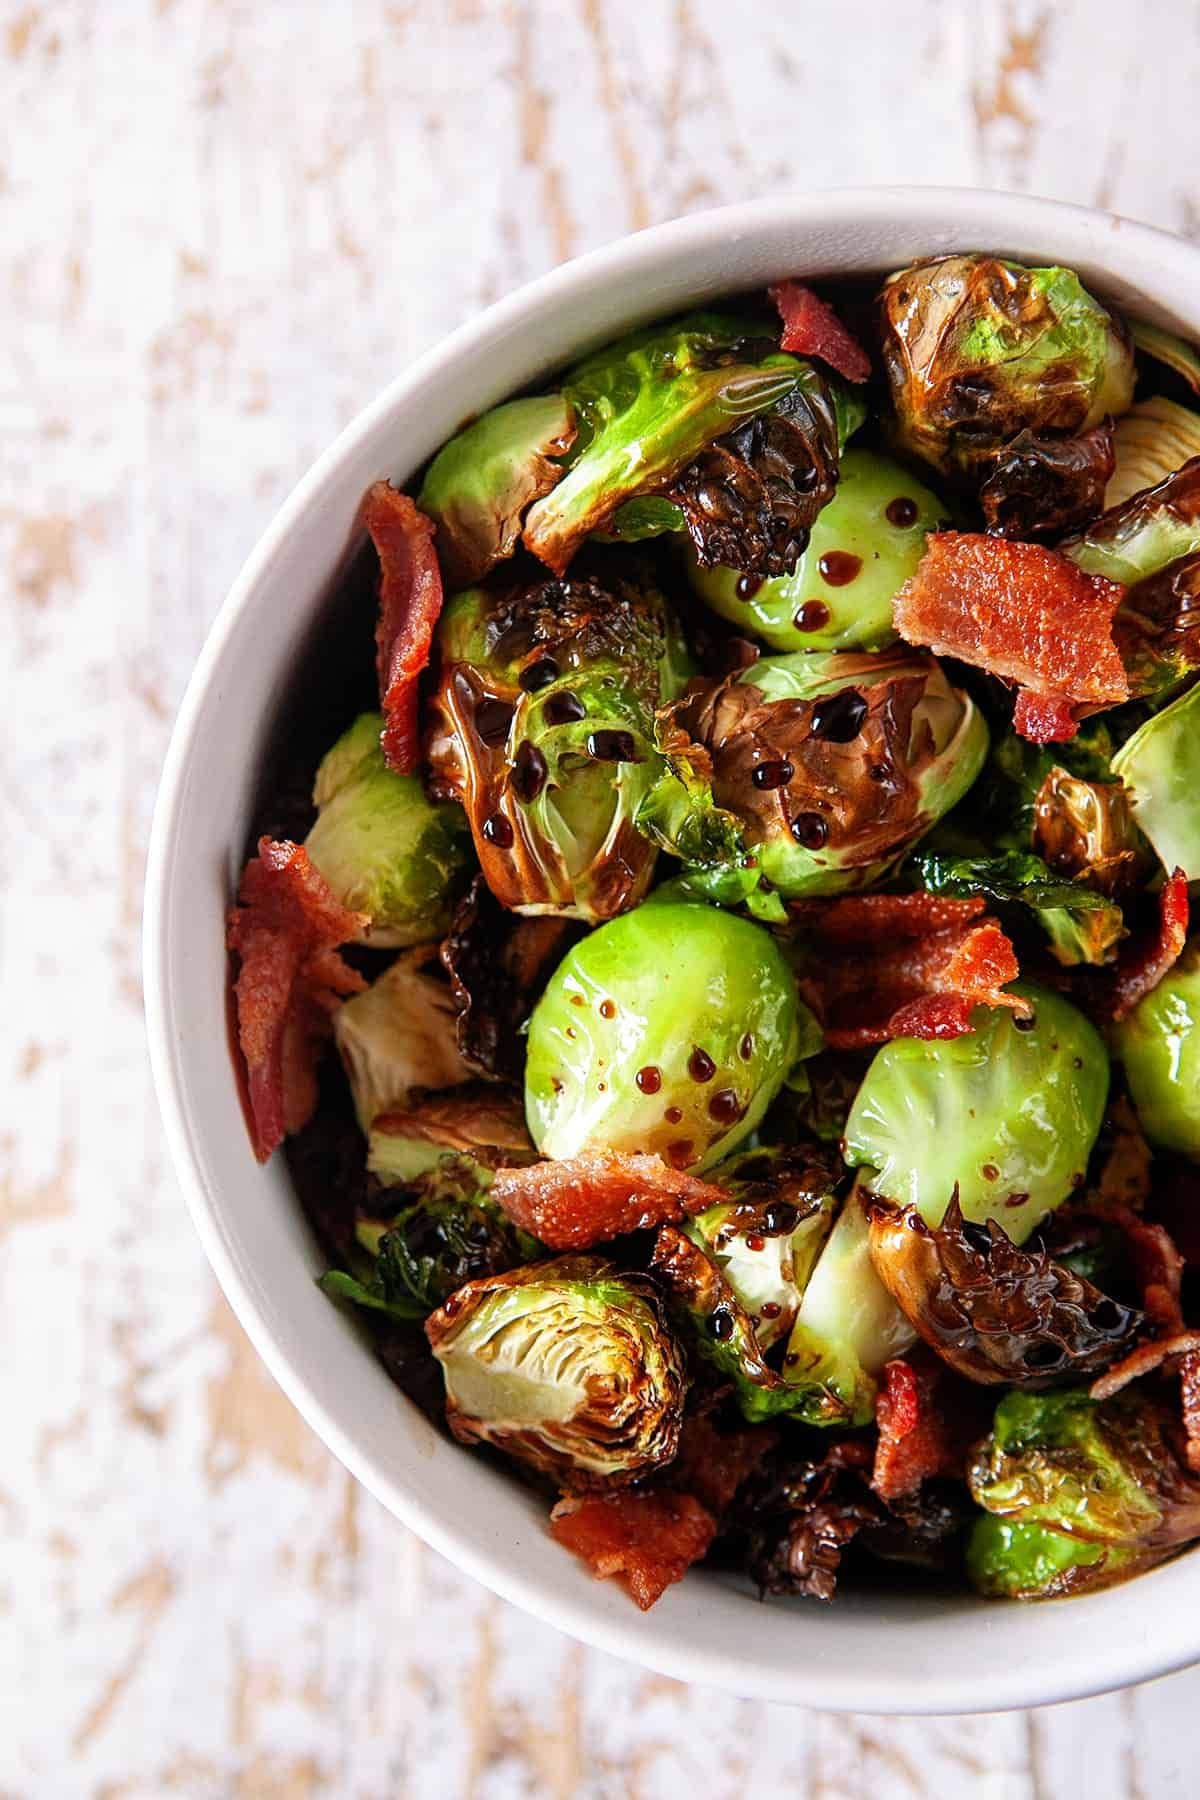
(225, 226)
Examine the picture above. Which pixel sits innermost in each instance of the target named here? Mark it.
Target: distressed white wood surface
(223, 227)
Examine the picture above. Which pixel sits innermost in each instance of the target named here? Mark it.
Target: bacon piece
(1044, 718)
(810, 328)
(410, 601)
(598, 1195)
(905, 965)
(1024, 613)
(1143, 963)
(1147, 1359)
(927, 1422)
(649, 1538)
(284, 931)
(711, 1465)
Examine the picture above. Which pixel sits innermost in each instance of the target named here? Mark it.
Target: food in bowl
(728, 1005)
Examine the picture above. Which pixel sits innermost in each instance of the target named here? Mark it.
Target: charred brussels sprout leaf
(810, 775)
(1085, 830)
(478, 1120)
(1082, 925)
(668, 1030)
(399, 1036)
(1079, 1493)
(1007, 1115)
(1042, 486)
(451, 1233)
(479, 485)
(995, 1313)
(1159, 1044)
(765, 427)
(1160, 767)
(543, 725)
(568, 1366)
(381, 845)
(866, 543)
(766, 1240)
(978, 350)
(1154, 439)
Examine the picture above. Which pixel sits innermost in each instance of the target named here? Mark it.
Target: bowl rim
(970, 215)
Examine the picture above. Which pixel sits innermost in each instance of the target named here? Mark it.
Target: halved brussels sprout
(448, 1234)
(864, 545)
(824, 770)
(740, 439)
(478, 486)
(668, 1030)
(977, 349)
(543, 726)
(381, 845)
(1079, 1493)
(767, 1238)
(1160, 767)
(1137, 539)
(478, 1120)
(398, 1036)
(848, 1325)
(1154, 439)
(1159, 1044)
(568, 1366)
(1006, 1116)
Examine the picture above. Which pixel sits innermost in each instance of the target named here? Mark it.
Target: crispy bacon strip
(711, 1465)
(927, 1422)
(649, 1538)
(810, 328)
(1145, 961)
(284, 931)
(905, 965)
(410, 600)
(598, 1195)
(1024, 613)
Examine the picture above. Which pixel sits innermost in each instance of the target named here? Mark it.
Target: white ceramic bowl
(889, 1653)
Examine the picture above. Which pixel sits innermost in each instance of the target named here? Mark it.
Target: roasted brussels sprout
(1154, 439)
(479, 485)
(668, 1030)
(978, 350)
(399, 1036)
(1160, 767)
(448, 1234)
(1006, 1115)
(1085, 831)
(1078, 1493)
(477, 1120)
(767, 1239)
(544, 728)
(824, 769)
(995, 1313)
(848, 1325)
(706, 422)
(1159, 1044)
(568, 1366)
(1042, 486)
(384, 849)
(865, 544)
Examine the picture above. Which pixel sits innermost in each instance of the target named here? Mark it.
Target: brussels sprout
(766, 1240)
(977, 350)
(478, 1120)
(543, 726)
(1041, 486)
(824, 769)
(381, 845)
(741, 439)
(399, 1036)
(1007, 1115)
(668, 1030)
(1154, 439)
(449, 1234)
(865, 544)
(1085, 830)
(996, 1314)
(1160, 767)
(479, 485)
(1082, 926)
(568, 1366)
(1159, 1044)
(1166, 348)
(1078, 1492)
(1131, 542)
